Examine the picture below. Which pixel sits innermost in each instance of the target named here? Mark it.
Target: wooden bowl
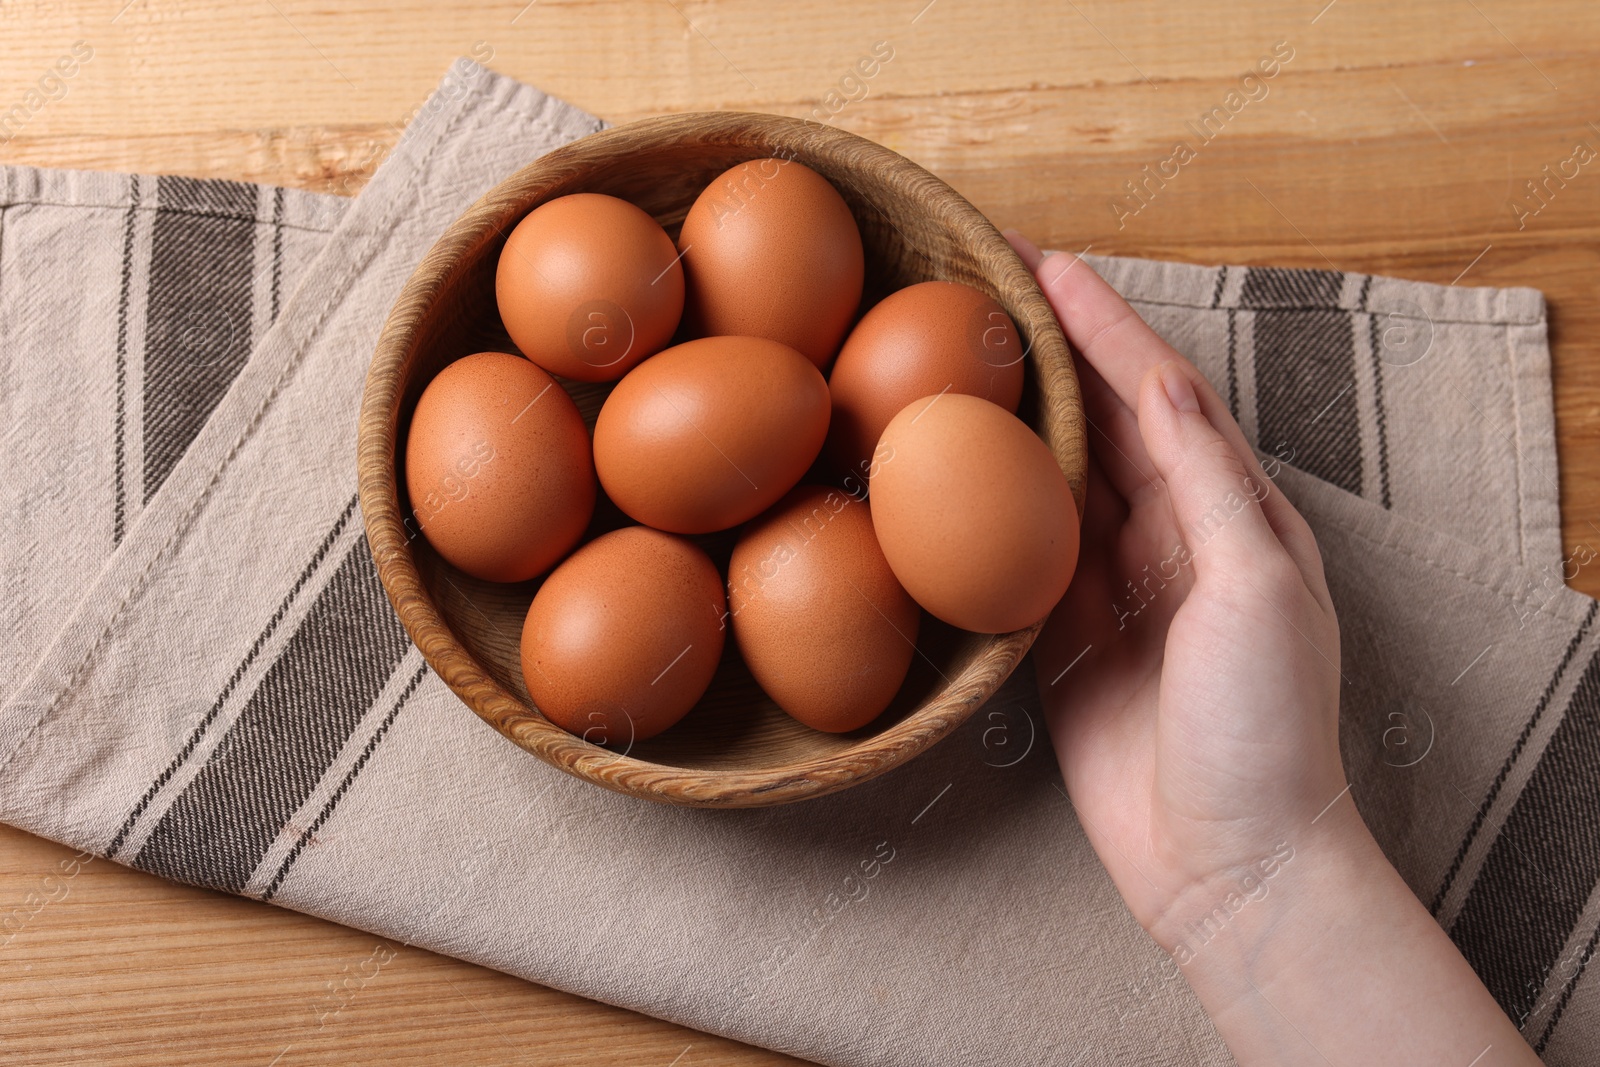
(736, 748)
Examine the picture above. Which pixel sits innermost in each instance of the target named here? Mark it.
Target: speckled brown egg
(973, 513)
(928, 338)
(771, 250)
(624, 637)
(710, 433)
(498, 468)
(588, 286)
(818, 616)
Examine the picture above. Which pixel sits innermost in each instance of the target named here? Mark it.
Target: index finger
(1121, 346)
(1101, 325)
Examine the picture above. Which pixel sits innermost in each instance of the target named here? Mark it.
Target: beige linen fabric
(127, 305)
(232, 703)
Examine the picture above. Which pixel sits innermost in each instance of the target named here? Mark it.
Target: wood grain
(117, 966)
(1393, 142)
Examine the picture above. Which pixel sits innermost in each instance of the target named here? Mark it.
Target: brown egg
(710, 433)
(928, 338)
(973, 513)
(771, 250)
(588, 286)
(498, 468)
(822, 623)
(623, 638)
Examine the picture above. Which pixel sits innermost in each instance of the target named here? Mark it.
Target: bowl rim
(476, 686)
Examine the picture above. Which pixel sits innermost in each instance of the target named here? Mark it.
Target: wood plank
(110, 965)
(1392, 142)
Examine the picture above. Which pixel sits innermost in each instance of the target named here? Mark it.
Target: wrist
(1230, 927)
(1335, 937)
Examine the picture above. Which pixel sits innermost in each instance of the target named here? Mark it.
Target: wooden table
(1397, 140)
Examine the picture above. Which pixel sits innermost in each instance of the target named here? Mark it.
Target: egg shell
(589, 285)
(822, 623)
(770, 249)
(973, 513)
(710, 433)
(624, 637)
(927, 338)
(498, 468)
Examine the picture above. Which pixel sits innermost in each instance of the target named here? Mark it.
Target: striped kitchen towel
(208, 682)
(129, 303)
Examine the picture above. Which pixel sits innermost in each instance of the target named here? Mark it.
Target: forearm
(1336, 963)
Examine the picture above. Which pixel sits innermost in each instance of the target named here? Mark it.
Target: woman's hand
(1198, 733)
(1191, 684)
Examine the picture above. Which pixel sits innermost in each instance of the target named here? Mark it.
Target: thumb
(1215, 499)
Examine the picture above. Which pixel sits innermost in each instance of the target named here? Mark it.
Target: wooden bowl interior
(735, 727)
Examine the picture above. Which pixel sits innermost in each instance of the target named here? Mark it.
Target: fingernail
(1179, 389)
(1024, 246)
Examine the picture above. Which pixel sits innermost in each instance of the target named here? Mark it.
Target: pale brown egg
(771, 250)
(973, 513)
(818, 616)
(498, 468)
(624, 637)
(588, 286)
(932, 337)
(710, 433)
